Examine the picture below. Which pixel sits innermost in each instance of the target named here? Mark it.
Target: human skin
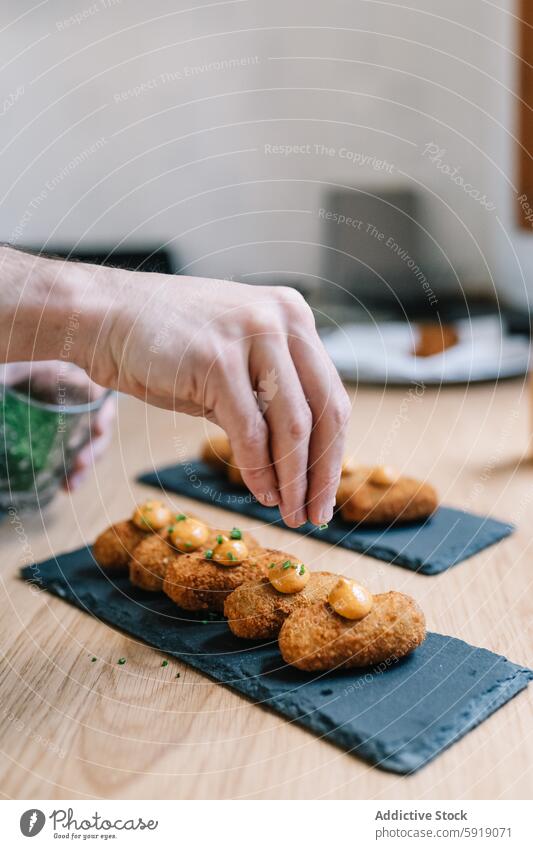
(45, 374)
(198, 346)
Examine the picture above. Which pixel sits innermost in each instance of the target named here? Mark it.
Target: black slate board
(430, 547)
(397, 718)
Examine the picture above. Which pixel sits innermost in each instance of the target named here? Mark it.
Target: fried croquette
(152, 555)
(196, 583)
(435, 339)
(361, 499)
(114, 546)
(316, 638)
(216, 451)
(257, 611)
(149, 561)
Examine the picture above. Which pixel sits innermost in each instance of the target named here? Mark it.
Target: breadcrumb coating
(149, 561)
(112, 549)
(257, 611)
(406, 500)
(152, 555)
(316, 639)
(195, 583)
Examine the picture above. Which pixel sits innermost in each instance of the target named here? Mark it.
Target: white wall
(184, 160)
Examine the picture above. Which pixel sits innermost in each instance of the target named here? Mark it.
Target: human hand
(102, 422)
(246, 357)
(44, 378)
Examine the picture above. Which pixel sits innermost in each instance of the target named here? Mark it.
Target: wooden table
(75, 729)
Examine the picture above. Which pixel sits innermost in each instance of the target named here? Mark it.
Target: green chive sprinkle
(180, 517)
(220, 538)
(164, 663)
(230, 555)
(236, 533)
(272, 566)
(209, 554)
(302, 569)
(188, 544)
(121, 661)
(322, 527)
(287, 565)
(93, 659)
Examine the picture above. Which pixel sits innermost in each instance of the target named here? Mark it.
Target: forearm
(49, 309)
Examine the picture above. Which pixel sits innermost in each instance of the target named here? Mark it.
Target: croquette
(405, 500)
(435, 339)
(316, 638)
(150, 558)
(257, 611)
(149, 561)
(196, 583)
(216, 451)
(112, 549)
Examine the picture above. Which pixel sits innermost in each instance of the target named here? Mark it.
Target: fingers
(289, 421)
(330, 408)
(237, 412)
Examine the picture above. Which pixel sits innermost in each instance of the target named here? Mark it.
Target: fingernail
(300, 518)
(268, 499)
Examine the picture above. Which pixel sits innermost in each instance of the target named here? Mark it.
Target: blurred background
(362, 150)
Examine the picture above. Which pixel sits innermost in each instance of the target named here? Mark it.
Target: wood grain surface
(71, 728)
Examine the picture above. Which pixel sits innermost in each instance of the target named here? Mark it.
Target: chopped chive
(208, 554)
(286, 565)
(272, 566)
(121, 661)
(236, 533)
(187, 544)
(164, 663)
(180, 517)
(220, 539)
(323, 527)
(230, 555)
(302, 569)
(93, 659)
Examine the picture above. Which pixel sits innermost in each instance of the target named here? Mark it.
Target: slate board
(430, 547)
(397, 718)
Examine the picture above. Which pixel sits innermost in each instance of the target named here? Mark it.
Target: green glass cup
(43, 426)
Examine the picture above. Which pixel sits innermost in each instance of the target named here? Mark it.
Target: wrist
(50, 309)
(31, 313)
(92, 294)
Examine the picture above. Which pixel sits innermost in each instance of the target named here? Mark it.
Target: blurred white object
(383, 353)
